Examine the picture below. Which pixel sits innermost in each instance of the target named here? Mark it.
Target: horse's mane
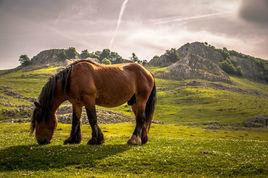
(48, 90)
(48, 93)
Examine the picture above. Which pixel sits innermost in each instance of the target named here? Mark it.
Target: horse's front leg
(75, 135)
(97, 135)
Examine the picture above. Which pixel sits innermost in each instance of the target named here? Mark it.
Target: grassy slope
(175, 104)
(173, 149)
(205, 104)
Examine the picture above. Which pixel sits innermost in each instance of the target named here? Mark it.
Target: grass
(206, 104)
(172, 151)
(158, 69)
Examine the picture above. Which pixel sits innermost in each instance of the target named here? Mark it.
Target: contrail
(180, 19)
(123, 6)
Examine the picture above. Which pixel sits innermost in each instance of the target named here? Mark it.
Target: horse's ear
(37, 104)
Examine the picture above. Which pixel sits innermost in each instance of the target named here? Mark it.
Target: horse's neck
(56, 103)
(58, 98)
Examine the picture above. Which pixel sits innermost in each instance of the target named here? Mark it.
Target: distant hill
(203, 61)
(53, 56)
(191, 61)
(64, 56)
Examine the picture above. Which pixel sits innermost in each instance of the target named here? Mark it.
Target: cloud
(148, 27)
(181, 19)
(255, 11)
(121, 13)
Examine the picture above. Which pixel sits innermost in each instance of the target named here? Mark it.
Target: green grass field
(181, 146)
(172, 151)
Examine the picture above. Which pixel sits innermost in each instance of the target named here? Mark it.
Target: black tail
(150, 107)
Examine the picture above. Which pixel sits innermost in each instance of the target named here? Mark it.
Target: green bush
(71, 53)
(106, 61)
(228, 67)
(85, 54)
(24, 60)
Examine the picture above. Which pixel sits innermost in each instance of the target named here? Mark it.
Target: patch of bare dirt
(257, 122)
(9, 92)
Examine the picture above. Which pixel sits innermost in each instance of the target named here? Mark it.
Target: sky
(146, 27)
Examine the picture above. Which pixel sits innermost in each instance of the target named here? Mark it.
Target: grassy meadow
(181, 143)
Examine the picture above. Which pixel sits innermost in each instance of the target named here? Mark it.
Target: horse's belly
(113, 99)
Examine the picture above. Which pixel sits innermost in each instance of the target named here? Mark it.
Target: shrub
(24, 60)
(228, 67)
(106, 61)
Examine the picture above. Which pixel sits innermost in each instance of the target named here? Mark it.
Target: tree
(228, 67)
(156, 57)
(85, 54)
(106, 61)
(134, 58)
(225, 53)
(115, 57)
(172, 55)
(24, 60)
(105, 54)
(71, 53)
(144, 62)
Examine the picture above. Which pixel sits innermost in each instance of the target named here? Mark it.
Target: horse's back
(111, 85)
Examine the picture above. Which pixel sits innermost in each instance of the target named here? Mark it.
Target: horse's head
(44, 124)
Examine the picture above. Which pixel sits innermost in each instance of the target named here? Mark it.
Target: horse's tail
(150, 107)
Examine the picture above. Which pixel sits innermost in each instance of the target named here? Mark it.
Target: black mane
(48, 93)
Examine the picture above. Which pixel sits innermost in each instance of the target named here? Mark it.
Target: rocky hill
(195, 67)
(65, 56)
(203, 61)
(54, 56)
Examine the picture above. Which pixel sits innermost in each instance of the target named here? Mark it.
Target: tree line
(106, 56)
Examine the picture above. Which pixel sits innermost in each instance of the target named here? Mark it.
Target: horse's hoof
(144, 139)
(134, 140)
(71, 141)
(43, 142)
(95, 141)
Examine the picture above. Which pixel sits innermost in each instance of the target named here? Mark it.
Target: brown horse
(85, 83)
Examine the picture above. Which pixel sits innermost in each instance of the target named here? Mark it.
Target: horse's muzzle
(43, 141)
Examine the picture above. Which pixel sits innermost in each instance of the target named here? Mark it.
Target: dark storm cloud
(255, 11)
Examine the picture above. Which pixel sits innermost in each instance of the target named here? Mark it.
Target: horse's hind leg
(75, 136)
(139, 135)
(97, 135)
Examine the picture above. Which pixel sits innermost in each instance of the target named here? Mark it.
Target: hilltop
(202, 61)
(59, 57)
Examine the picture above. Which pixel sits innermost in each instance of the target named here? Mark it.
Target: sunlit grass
(171, 151)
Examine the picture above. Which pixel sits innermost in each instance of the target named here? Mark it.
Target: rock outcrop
(194, 67)
(202, 61)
